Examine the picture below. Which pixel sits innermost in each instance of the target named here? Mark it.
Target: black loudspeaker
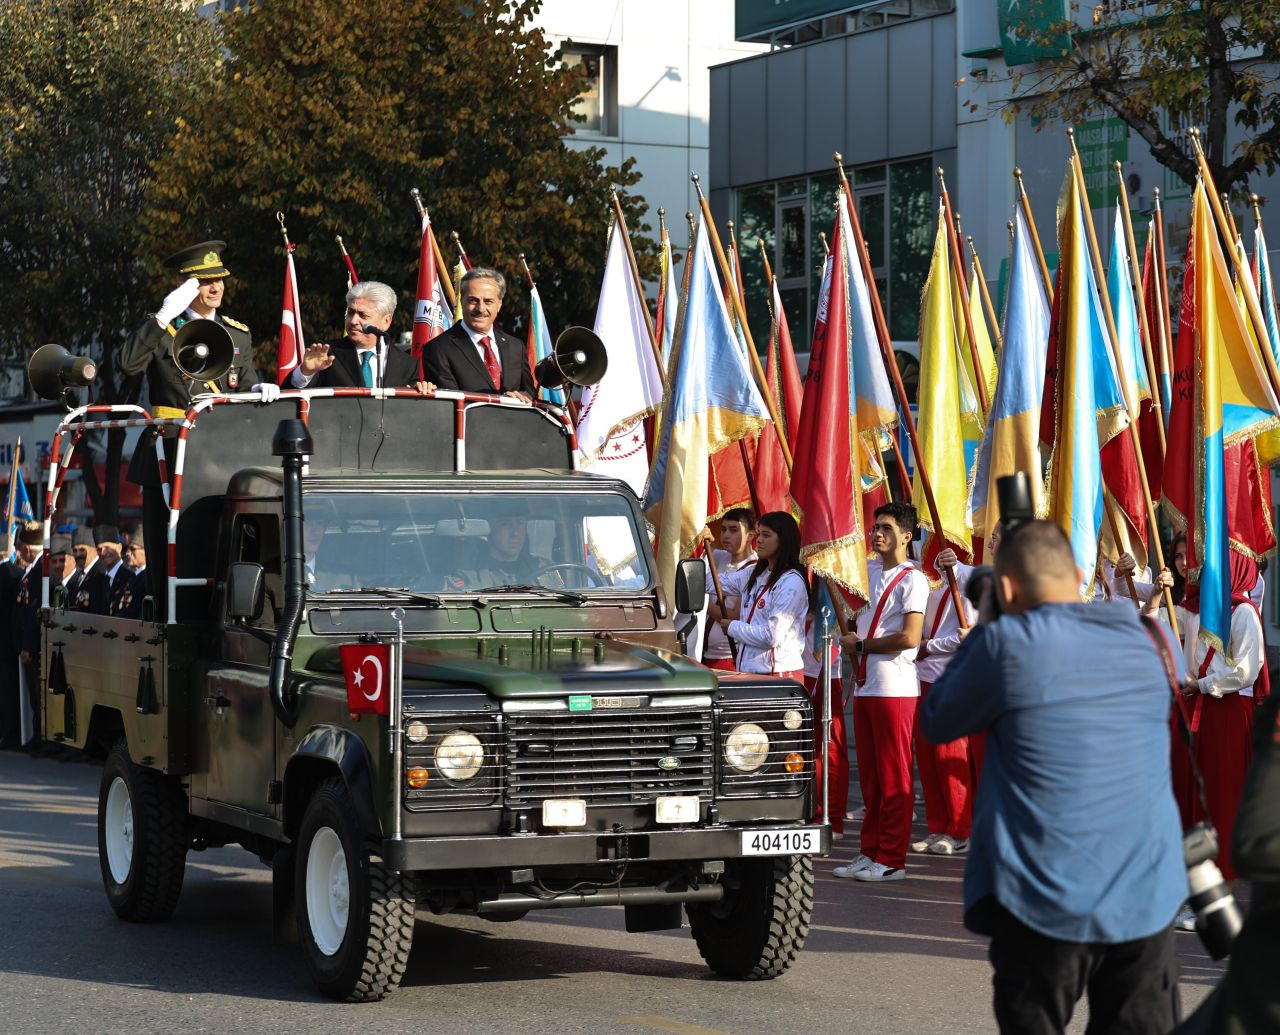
(53, 372)
(202, 350)
(579, 357)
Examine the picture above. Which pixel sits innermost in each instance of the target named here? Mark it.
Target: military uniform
(148, 350)
(170, 390)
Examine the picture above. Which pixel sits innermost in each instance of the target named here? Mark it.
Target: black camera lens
(1218, 916)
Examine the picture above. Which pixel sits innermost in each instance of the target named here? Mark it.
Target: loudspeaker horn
(579, 357)
(202, 350)
(53, 372)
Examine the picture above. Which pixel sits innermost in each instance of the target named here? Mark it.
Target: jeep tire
(355, 916)
(142, 838)
(759, 927)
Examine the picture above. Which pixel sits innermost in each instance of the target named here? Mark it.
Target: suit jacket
(451, 360)
(93, 594)
(401, 372)
(26, 609)
(148, 350)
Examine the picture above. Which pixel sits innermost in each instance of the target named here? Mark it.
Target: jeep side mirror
(245, 591)
(691, 586)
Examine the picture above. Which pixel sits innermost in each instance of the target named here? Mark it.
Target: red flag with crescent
(367, 668)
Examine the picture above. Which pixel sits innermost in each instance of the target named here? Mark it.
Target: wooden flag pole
(1162, 291)
(1113, 341)
(1140, 304)
(1231, 217)
(446, 282)
(882, 333)
(990, 309)
(736, 304)
(1025, 203)
(621, 222)
(957, 265)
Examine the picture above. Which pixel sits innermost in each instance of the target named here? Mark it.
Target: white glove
(177, 301)
(268, 391)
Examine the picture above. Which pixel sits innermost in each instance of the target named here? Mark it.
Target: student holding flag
(884, 648)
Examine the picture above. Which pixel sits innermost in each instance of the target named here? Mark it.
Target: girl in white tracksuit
(770, 631)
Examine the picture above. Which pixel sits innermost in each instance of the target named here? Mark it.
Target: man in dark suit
(26, 619)
(473, 355)
(86, 558)
(361, 358)
(10, 716)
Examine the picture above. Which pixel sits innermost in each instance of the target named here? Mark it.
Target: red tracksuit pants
(882, 732)
(1224, 750)
(837, 762)
(945, 777)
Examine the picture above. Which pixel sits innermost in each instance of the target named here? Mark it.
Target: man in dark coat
(26, 617)
(86, 559)
(10, 719)
(473, 355)
(198, 297)
(362, 358)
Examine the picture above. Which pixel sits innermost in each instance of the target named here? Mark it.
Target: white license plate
(806, 841)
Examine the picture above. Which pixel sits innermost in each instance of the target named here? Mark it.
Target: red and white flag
(292, 344)
(428, 313)
(367, 668)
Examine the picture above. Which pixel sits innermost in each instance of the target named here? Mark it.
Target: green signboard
(1031, 30)
(1102, 143)
(755, 18)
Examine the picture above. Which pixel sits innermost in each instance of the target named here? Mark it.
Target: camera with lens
(1218, 917)
(1013, 495)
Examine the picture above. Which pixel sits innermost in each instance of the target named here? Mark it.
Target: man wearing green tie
(364, 356)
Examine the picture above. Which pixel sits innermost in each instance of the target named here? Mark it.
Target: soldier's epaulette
(236, 324)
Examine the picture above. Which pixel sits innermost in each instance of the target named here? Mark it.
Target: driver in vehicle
(504, 559)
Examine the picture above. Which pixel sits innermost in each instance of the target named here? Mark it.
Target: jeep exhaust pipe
(292, 442)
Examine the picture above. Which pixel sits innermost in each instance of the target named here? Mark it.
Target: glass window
(755, 219)
(911, 214)
(436, 543)
(871, 215)
(791, 232)
(868, 174)
(792, 189)
(597, 104)
(795, 303)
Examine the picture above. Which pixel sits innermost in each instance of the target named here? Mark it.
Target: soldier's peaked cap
(202, 261)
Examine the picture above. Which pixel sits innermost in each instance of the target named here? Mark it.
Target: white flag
(611, 435)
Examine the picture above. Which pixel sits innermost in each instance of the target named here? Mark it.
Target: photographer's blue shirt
(1075, 829)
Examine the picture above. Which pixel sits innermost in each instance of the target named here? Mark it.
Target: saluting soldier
(199, 296)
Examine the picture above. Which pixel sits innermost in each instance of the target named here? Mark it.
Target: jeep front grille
(612, 757)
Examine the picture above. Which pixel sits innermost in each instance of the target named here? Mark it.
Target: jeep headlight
(459, 755)
(746, 747)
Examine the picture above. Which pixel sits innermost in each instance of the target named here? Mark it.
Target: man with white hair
(475, 356)
(363, 357)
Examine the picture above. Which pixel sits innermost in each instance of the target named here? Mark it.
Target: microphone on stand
(377, 357)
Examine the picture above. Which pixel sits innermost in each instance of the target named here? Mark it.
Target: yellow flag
(941, 409)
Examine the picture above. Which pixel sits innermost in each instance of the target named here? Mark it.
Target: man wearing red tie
(473, 355)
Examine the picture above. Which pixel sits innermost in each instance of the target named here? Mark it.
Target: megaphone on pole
(53, 372)
(578, 357)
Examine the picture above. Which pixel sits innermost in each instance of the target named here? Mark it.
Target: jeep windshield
(564, 545)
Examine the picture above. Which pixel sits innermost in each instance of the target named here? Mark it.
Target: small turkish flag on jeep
(367, 667)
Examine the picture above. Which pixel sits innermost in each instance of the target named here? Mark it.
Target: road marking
(670, 1024)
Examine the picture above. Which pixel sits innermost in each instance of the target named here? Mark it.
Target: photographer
(1075, 863)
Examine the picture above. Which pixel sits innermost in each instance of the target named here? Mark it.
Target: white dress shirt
(300, 380)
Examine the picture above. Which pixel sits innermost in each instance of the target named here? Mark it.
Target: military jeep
(407, 655)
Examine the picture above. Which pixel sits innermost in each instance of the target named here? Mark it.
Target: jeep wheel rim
(328, 891)
(118, 830)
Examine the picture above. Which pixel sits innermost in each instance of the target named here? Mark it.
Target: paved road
(881, 958)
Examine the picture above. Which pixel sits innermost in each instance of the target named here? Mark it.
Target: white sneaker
(860, 862)
(878, 871)
(857, 815)
(1185, 920)
(948, 845)
(926, 844)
